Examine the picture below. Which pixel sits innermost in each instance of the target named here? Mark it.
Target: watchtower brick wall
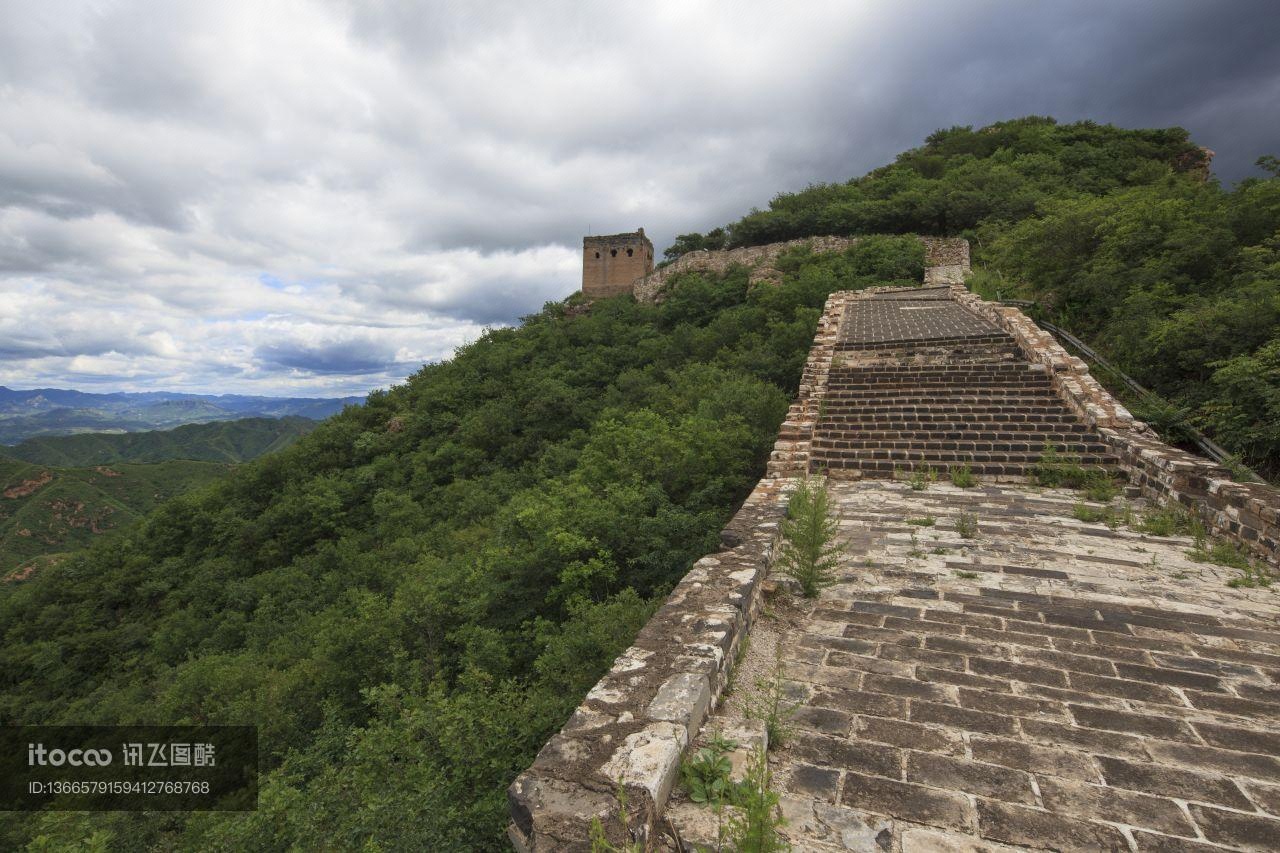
(612, 262)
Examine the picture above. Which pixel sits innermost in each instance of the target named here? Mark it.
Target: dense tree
(409, 600)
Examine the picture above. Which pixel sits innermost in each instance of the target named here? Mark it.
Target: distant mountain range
(56, 411)
(220, 441)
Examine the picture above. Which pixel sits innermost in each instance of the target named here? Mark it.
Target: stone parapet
(790, 457)
(634, 725)
(946, 260)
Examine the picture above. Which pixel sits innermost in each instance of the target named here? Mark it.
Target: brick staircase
(919, 381)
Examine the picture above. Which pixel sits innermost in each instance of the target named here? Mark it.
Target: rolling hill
(48, 512)
(221, 441)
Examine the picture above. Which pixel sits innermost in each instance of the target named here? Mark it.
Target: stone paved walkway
(1046, 684)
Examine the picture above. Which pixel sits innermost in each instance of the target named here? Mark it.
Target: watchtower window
(629, 253)
(597, 254)
(613, 253)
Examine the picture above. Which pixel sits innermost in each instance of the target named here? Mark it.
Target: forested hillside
(222, 441)
(1122, 237)
(410, 599)
(47, 512)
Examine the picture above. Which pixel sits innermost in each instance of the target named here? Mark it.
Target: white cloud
(315, 196)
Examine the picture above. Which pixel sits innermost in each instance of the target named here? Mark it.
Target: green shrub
(809, 552)
(962, 477)
(1168, 520)
(967, 525)
(926, 521)
(707, 774)
(753, 825)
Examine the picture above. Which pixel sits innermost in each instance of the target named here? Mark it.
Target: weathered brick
(863, 663)
(822, 719)
(1040, 829)
(1138, 691)
(818, 783)
(961, 718)
(944, 660)
(1102, 650)
(1266, 796)
(840, 753)
(1019, 639)
(976, 620)
(1260, 694)
(1233, 705)
(1033, 758)
(907, 801)
(1062, 660)
(1245, 831)
(963, 679)
(1107, 743)
(966, 646)
(858, 702)
(906, 734)
(908, 687)
(1063, 629)
(840, 644)
(1206, 665)
(1018, 671)
(986, 780)
(1171, 782)
(1121, 721)
(1173, 677)
(1003, 703)
(1265, 767)
(886, 609)
(1149, 842)
(921, 626)
(1057, 694)
(1102, 803)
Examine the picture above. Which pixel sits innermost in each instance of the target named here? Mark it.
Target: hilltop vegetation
(223, 441)
(47, 512)
(410, 599)
(1120, 235)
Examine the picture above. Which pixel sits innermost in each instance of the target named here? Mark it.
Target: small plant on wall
(809, 551)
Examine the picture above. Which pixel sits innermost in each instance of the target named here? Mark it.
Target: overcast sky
(315, 198)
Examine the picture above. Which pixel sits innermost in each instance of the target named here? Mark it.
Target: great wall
(992, 672)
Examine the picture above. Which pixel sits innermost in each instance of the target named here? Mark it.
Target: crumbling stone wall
(946, 259)
(634, 725)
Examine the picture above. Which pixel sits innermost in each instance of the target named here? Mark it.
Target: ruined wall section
(1245, 513)
(946, 260)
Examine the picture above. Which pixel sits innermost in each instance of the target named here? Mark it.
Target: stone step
(1038, 438)
(882, 468)
(959, 384)
(1002, 368)
(1065, 423)
(909, 411)
(977, 340)
(960, 445)
(926, 454)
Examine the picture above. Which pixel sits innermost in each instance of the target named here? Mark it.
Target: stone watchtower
(611, 263)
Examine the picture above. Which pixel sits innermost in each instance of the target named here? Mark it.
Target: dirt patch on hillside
(28, 487)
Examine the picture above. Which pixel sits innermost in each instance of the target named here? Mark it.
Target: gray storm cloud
(312, 196)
